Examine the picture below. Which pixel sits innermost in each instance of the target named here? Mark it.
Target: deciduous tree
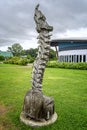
(16, 49)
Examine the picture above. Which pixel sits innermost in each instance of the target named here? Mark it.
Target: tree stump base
(34, 123)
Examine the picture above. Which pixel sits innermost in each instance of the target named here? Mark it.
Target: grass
(68, 88)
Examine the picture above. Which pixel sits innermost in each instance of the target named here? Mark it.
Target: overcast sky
(68, 17)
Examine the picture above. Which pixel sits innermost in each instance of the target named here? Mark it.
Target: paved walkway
(18, 66)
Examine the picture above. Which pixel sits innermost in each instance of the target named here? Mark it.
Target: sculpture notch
(38, 107)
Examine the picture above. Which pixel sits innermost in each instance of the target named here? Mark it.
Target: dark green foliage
(67, 65)
(52, 54)
(2, 58)
(31, 52)
(31, 59)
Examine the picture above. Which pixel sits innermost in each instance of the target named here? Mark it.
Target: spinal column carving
(43, 29)
(36, 105)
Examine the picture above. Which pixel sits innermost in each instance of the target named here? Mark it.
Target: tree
(16, 49)
(32, 52)
(52, 54)
(2, 58)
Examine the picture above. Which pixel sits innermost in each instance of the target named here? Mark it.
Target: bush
(13, 60)
(67, 65)
(30, 59)
(19, 61)
(23, 61)
(2, 58)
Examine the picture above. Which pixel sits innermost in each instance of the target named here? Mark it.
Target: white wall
(63, 55)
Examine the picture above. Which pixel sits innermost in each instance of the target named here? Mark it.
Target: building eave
(55, 42)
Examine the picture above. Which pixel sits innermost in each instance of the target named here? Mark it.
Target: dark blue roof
(69, 44)
(55, 42)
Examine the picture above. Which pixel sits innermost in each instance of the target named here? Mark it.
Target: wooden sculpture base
(34, 123)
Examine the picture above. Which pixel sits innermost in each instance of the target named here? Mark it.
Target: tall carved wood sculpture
(36, 105)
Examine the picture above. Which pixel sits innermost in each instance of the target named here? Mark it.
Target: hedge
(67, 65)
(18, 61)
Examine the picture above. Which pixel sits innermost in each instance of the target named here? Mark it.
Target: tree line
(17, 50)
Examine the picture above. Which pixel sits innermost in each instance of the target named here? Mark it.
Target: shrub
(23, 61)
(2, 58)
(13, 60)
(30, 59)
(19, 61)
(67, 65)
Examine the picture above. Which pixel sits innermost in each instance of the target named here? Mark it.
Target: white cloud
(80, 33)
(4, 48)
(26, 44)
(30, 43)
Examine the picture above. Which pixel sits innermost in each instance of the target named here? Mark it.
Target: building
(6, 54)
(70, 50)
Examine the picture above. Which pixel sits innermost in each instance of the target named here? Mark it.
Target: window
(84, 58)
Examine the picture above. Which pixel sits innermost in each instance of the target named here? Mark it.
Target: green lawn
(68, 87)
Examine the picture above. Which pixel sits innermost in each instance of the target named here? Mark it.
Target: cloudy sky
(68, 17)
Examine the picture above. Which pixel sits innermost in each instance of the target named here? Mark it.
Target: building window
(77, 58)
(84, 58)
(80, 58)
(73, 58)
